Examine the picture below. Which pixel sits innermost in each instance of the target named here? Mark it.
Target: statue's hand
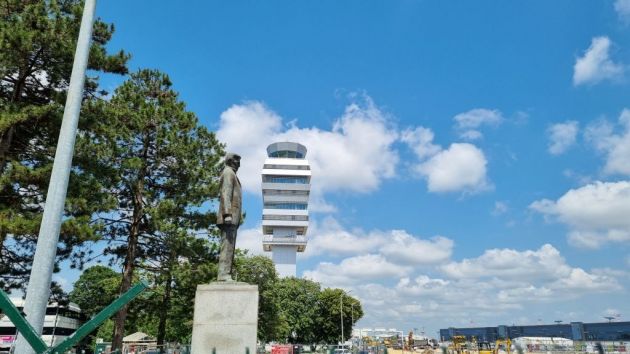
(227, 220)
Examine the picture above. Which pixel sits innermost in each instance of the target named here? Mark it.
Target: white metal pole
(341, 314)
(352, 323)
(38, 289)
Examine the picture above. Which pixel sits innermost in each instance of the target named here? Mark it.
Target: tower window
(288, 206)
(287, 154)
(286, 179)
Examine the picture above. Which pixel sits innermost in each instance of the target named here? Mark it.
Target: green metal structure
(29, 333)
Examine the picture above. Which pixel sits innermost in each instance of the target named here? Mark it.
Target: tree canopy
(37, 43)
(160, 165)
(96, 288)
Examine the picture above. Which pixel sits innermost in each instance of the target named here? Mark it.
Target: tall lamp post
(341, 315)
(38, 289)
(352, 323)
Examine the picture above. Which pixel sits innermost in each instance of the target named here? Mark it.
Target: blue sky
(471, 160)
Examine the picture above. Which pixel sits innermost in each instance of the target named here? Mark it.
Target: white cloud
(422, 285)
(596, 214)
(407, 249)
(623, 10)
(251, 240)
(247, 129)
(522, 265)
(579, 279)
(330, 238)
(356, 269)
(500, 208)
(596, 65)
(461, 167)
(616, 147)
(399, 277)
(489, 288)
(468, 123)
(420, 140)
(356, 154)
(562, 136)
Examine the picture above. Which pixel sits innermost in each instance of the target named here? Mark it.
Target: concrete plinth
(225, 318)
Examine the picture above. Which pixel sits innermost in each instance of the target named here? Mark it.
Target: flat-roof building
(577, 331)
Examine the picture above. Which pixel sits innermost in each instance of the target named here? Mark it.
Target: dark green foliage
(329, 312)
(37, 44)
(160, 166)
(298, 300)
(309, 314)
(261, 271)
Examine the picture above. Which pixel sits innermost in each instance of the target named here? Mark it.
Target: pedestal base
(225, 318)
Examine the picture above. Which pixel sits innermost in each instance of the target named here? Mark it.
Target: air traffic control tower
(286, 178)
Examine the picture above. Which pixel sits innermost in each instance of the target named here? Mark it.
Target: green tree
(187, 275)
(298, 302)
(37, 43)
(178, 251)
(170, 316)
(329, 315)
(160, 165)
(96, 288)
(260, 270)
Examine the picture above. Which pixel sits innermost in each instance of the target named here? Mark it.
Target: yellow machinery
(482, 347)
(458, 345)
(503, 343)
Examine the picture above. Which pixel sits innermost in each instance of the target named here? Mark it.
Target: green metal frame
(21, 324)
(38, 344)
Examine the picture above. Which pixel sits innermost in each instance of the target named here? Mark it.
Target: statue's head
(233, 160)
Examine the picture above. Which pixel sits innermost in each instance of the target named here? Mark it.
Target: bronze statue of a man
(229, 215)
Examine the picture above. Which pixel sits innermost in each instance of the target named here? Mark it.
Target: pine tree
(37, 43)
(161, 166)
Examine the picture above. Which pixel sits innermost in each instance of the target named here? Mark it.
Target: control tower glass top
(287, 150)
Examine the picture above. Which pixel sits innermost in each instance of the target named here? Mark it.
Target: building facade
(577, 331)
(59, 323)
(286, 184)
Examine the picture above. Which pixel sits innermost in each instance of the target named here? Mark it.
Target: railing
(286, 217)
(286, 240)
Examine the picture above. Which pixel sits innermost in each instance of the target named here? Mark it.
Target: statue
(229, 215)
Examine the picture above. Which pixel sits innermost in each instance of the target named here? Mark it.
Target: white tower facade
(286, 185)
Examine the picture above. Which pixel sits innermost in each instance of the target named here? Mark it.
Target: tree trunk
(121, 316)
(5, 143)
(130, 259)
(166, 304)
(132, 247)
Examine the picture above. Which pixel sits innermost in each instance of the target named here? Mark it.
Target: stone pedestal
(225, 318)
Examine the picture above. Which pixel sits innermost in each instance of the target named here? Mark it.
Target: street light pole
(341, 306)
(38, 289)
(352, 322)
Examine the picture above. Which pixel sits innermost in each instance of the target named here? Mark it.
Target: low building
(60, 322)
(577, 331)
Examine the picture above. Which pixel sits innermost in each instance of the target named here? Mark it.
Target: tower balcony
(296, 240)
